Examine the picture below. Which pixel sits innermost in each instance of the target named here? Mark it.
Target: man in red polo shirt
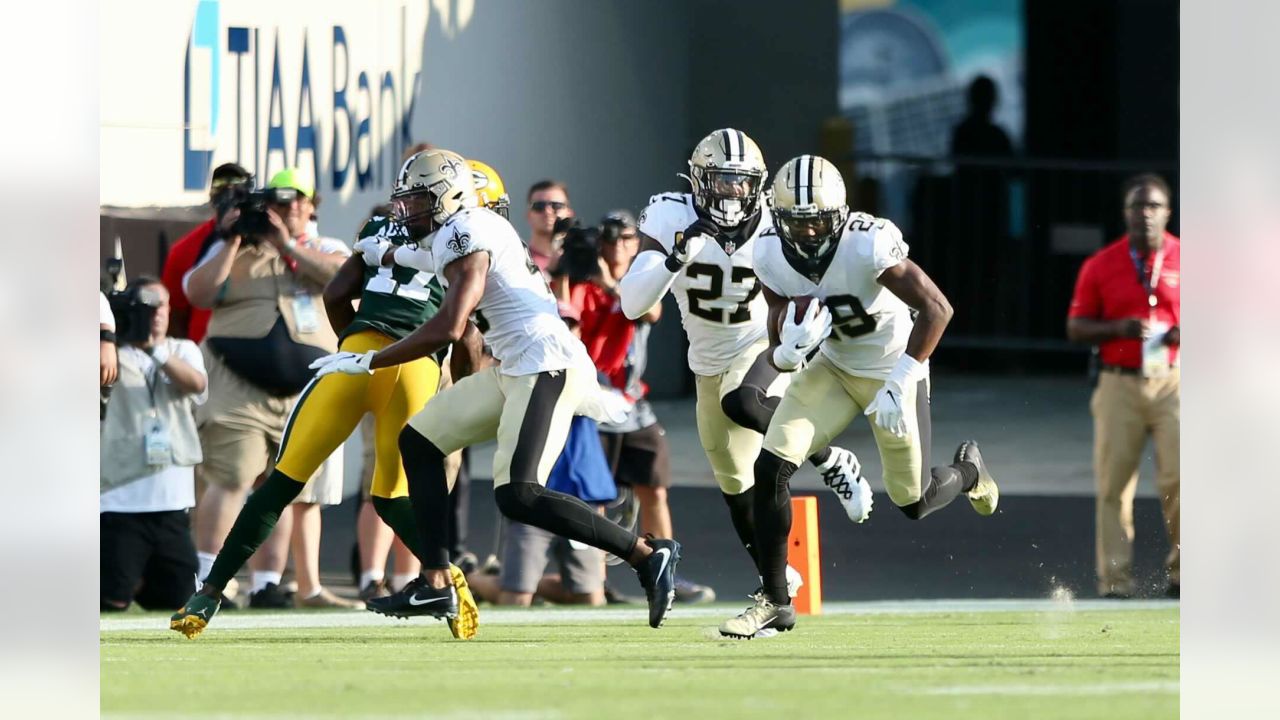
(1127, 302)
(186, 320)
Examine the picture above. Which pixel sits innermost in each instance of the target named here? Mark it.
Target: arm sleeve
(415, 257)
(1086, 301)
(645, 283)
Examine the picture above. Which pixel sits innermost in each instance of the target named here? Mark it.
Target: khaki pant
(731, 449)
(528, 414)
(1126, 409)
(821, 402)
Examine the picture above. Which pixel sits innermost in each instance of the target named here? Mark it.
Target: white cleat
(843, 474)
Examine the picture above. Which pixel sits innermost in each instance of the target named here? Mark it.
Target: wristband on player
(907, 371)
(106, 336)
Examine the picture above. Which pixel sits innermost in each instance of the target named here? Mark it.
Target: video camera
(134, 309)
(580, 250)
(253, 222)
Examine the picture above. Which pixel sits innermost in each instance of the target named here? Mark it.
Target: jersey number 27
(699, 297)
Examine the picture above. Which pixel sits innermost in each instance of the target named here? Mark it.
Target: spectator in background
(148, 452)
(106, 342)
(1127, 302)
(268, 324)
(186, 320)
(548, 202)
(636, 449)
(977, 133)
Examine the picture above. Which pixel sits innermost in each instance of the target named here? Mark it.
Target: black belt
(1122, 370)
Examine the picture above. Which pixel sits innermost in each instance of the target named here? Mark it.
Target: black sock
(742, 513)
(564, 515)
(821, 457)
(254, 523)
(773, 523)
(397, 513)
(945, 484)
(429, 496)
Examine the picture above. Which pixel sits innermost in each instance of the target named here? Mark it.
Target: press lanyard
(1151, 285)
(152, 383)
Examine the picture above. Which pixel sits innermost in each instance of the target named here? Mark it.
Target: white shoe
(843, 474)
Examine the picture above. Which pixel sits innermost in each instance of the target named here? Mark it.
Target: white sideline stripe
(1168, 686)
(237, 620)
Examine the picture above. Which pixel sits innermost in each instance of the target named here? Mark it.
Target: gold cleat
(188, 625)
(194, 617)
(467, 624)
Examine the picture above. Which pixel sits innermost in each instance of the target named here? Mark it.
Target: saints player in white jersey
(874, 361)
(544, 377)
(699, 247)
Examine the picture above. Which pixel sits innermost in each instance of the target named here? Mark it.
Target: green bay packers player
(545, 377)
(699, 247)
(394, 301)
(873, 362)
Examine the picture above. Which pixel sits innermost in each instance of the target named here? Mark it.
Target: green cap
(291, 178)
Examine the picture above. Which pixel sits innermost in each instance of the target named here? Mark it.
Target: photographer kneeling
(148, 452)
(264, 279)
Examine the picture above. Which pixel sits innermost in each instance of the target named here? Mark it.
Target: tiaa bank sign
(331, 92)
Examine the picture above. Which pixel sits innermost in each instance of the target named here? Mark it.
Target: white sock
(314, 594)
(399, 580)
(262, 579)
(206, 564)
(371, 576)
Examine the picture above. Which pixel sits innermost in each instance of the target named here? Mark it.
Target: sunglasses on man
(542, 205)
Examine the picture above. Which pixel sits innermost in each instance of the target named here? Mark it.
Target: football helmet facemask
(809, 208)
(432, 185)
(727, 172)
(490, 188)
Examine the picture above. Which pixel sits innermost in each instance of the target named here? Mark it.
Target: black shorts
(148, 558)
(640, 458)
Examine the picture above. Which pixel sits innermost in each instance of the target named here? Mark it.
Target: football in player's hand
(802, 306)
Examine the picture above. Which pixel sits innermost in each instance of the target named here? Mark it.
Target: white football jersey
(719, 297)
(869, 324)
(525, 331)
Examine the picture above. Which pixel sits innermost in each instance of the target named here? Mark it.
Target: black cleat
(418, 598)
(658, 578)
(271, 597)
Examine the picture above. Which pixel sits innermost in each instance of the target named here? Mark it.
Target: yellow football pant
(330, 407)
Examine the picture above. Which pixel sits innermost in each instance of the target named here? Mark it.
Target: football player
(699, 247)
(874, 362)
(394, 301)
(545, 377)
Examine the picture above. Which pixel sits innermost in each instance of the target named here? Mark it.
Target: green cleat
(192, 619)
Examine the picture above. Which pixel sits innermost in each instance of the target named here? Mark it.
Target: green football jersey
(395, 300)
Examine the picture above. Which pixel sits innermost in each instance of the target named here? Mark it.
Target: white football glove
(372, 249)
(606, 405)
(886, 408)
(415, 257)
(799, 339)
(344, 362)
(692, 240)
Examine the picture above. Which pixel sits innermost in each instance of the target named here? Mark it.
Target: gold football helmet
(809, 208)
(727, 172)
(490, 188)
(432, 185)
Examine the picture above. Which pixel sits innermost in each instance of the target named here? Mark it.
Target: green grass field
(877, 660)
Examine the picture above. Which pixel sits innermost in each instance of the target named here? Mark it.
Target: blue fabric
(581, 470)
